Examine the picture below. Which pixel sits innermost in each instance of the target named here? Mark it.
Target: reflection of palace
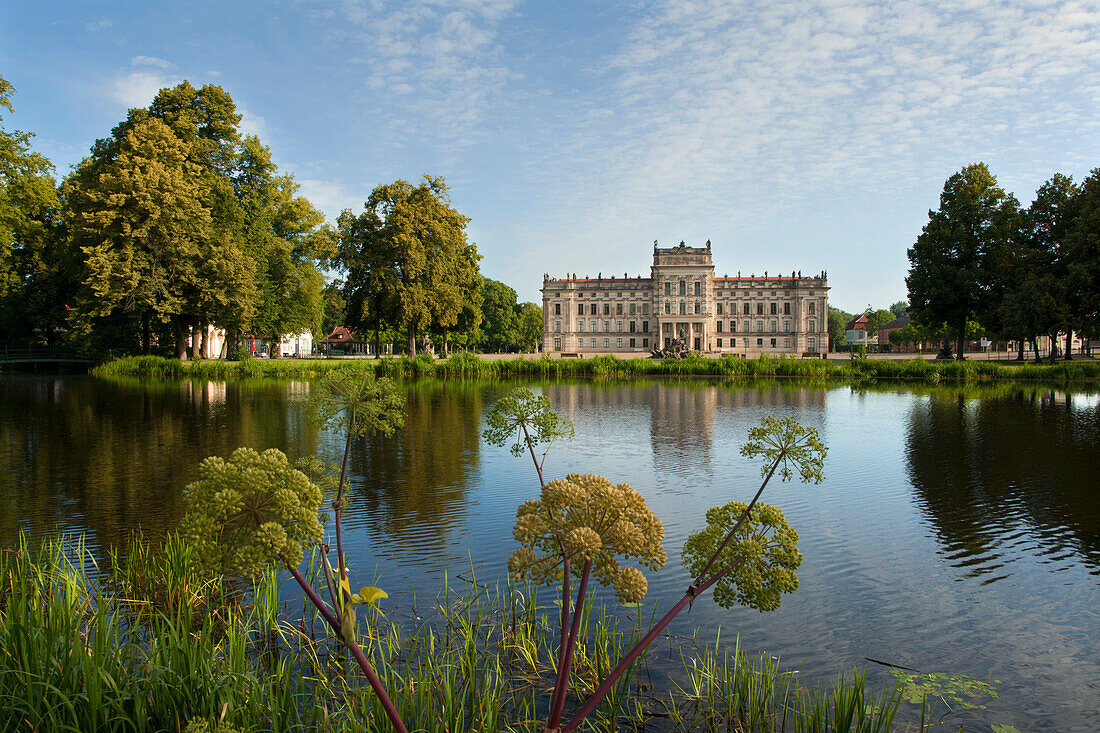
(683, 299)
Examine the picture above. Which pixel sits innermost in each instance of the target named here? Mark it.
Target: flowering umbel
(250, 512)
(763, 553)
(592, 519)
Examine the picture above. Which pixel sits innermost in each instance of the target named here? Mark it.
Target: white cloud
(99, 25)
(137, 88)
(331, 197)
(153, 61)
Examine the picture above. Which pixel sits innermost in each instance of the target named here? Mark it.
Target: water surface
(957, 530)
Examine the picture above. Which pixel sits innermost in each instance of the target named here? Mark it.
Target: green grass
(914, 370)
(146, 644)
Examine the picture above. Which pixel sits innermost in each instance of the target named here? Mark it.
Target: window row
(595, 343)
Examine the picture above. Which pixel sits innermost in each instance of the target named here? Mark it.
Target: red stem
(631, 656)
(338, 505)
(356, 651)
(741, 519)
(562, 684)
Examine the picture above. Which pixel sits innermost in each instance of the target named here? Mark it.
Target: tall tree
(838, 322)
(948, 278)
(140, 220)
(406, 259)
(899, 309)
(499, 321)
(1083, 258)
(529, 327)
(33, 274)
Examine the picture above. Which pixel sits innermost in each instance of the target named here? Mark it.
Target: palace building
(682, 298)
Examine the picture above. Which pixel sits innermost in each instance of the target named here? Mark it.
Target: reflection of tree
(104, 456)
(985, 470)
(416, 481)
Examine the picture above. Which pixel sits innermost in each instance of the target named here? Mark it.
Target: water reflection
(108, 456)
(998, 476)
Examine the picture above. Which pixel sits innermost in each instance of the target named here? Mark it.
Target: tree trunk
(196, 354)
(181, 338)
(1069, 344)
(377, 344)
(962, 339)
(231, 339)
(1053, 337)
(1035, 348)
(412, 341)
(1020, 350)
(275, 350)
(204, 348)
(145, 338)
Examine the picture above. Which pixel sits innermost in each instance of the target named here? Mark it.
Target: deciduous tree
(949, 279)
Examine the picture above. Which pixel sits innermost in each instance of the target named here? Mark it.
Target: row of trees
(176, 222)
(984, 262)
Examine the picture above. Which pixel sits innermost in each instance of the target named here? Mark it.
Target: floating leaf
(370, 594)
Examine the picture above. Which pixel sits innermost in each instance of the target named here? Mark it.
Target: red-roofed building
(682, 298)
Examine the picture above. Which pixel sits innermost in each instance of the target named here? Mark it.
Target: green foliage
(763, 552)
(407, 262)
(785, 441)
(526, 416)
(250, 512)
(359, 402)
(958, 690)
(593, 520)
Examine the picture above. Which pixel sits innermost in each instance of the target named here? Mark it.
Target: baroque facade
(682, 298)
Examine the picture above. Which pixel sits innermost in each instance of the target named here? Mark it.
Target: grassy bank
(927, 371)
(144, 644)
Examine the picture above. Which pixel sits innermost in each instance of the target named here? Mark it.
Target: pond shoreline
(915, 370)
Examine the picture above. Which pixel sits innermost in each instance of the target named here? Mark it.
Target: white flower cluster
(594, 520)
(250, 512)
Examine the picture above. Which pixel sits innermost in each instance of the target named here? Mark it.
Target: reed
(608, 366)
(143, 644)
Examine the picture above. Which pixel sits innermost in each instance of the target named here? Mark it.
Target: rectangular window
(786, 309)
(668, 342)
(592, 326)
(645, 309)
(645, 343)
(745, 328)
(606, 326)
(607, 343)
(580, 309)
(773, 326)
(759, 309)
(668, 307)
(733, 326)
(719, 343)
(593, 343)
(557, 344)
(683, 288)
(557, 309)
(632, 326)
(668, 287)
(746, 309)
(773, 343)
(592, 310)
(607, 309)
(683, 308)
(698, 288)
(618, 343)
(811, 307)
(618, 309)
(698, 307)
(632, 343)
(813, 326)
(719, 307)
(557, 326)
(812, 343)
(618, 326)
(645, 326)
(774, 308)
(580, 326)
(786, 326)
(759, 326)
(786, 343)
(759, 343)
(633, 309)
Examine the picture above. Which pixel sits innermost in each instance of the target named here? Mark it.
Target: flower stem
(561, 687)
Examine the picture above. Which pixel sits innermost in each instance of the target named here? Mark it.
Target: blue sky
(793, 135)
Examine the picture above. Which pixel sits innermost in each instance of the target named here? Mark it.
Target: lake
(957, 530)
